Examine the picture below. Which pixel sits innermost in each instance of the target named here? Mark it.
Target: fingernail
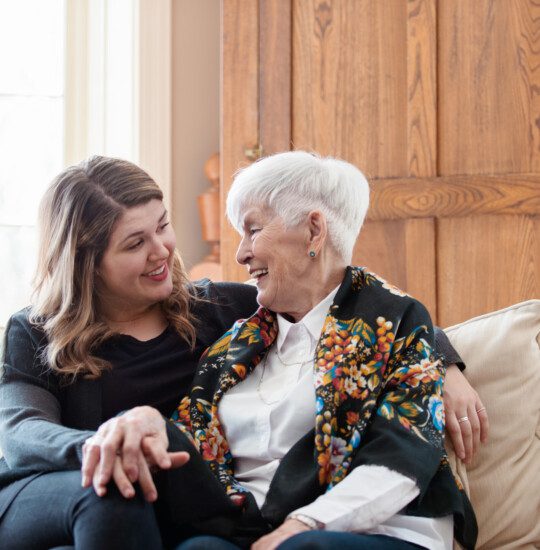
(129, 493)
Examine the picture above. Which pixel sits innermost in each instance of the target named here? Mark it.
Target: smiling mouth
(156, 272)
(158, 275)
(258, 274)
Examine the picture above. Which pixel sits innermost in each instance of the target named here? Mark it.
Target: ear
(318, 230)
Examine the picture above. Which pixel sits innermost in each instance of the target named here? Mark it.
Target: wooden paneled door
(437, 102)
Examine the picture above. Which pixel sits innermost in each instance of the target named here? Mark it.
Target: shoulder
(388, 292)
(209, 290)
(24, 343)
(21, 331)
(387, 300)
(229, 296)
(221, 304)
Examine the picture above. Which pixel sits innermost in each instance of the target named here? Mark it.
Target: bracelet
(313, 524)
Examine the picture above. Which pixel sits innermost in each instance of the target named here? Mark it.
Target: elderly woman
(320, 416)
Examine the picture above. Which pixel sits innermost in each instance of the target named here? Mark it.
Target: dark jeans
(311, 540)
(54, 510)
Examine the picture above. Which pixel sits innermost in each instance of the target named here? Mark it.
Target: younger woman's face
(135, 271)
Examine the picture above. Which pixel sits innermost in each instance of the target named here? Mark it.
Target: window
(31, 133)
(77, 78)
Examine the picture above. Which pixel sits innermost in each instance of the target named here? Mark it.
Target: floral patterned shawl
(378, 387)
(361, 369)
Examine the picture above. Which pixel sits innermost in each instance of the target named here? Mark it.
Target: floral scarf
(374, 360)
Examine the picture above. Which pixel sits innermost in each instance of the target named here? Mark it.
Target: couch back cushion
(502, 354)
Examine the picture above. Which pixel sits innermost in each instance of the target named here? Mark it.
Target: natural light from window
(31, 133)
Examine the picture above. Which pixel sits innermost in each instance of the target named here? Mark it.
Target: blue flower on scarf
(436, 410)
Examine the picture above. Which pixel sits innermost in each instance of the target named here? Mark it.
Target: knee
(114, 508)
(114, 522)
(308, 540)
(206, 543)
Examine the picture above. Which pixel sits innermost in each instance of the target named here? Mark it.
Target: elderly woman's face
(277, 257)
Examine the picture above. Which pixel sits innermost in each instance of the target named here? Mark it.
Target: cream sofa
(502, 354)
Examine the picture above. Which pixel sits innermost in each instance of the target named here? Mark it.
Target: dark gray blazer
(37, 434)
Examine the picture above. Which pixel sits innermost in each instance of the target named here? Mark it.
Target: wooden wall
(435, 101)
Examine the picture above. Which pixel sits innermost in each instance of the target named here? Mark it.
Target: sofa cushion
(502, 354)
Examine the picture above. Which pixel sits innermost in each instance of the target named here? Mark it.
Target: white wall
(195, 115)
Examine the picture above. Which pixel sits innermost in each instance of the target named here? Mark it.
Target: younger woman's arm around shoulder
(31, 433)
(467, 421)
(221, 306)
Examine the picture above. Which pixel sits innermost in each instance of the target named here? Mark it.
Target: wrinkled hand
(466, 417)
(286, 530)
(124, 449)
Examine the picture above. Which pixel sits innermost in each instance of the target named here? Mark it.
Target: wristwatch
(313, 524)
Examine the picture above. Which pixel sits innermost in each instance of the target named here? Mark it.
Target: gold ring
(463, 419)
(480, 409)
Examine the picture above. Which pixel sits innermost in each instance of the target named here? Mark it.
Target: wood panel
(486, 263)
(422, 88)
(489, 82)
(413, 265)
(239, 109)
(454, 196)
(349, 69)
(489, 122)
(275, 75)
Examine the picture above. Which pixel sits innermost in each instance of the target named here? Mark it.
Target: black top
(158, 372)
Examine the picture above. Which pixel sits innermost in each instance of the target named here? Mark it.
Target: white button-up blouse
(265, 415)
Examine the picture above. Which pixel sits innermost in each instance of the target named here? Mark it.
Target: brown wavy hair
(77, 216)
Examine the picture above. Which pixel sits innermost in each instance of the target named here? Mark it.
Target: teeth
(259, 272)
(157, 271)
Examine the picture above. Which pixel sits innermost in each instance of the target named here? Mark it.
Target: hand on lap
(286, 530)
(125, 449)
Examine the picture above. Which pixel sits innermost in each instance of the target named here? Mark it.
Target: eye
(136, 245)
(253, 230)
(163, 226)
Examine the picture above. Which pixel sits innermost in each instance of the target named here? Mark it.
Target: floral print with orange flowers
(372, 364)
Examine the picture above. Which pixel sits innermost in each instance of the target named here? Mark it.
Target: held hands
(286, 530)
(466, 417)
(125, 449)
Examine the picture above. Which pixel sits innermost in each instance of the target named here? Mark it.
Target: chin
(264, 301)
(164, 293)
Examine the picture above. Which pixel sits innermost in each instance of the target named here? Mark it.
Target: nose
(244, 254)
(158, 251)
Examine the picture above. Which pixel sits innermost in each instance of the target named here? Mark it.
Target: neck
(143, 324)
(315, 293)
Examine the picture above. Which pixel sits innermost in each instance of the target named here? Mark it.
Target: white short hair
(294, 183)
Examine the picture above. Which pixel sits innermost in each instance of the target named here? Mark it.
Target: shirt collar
(313, 320)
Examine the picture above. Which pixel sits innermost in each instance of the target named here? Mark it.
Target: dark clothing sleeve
(445, 348)
(221, 305)
(31, 434)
